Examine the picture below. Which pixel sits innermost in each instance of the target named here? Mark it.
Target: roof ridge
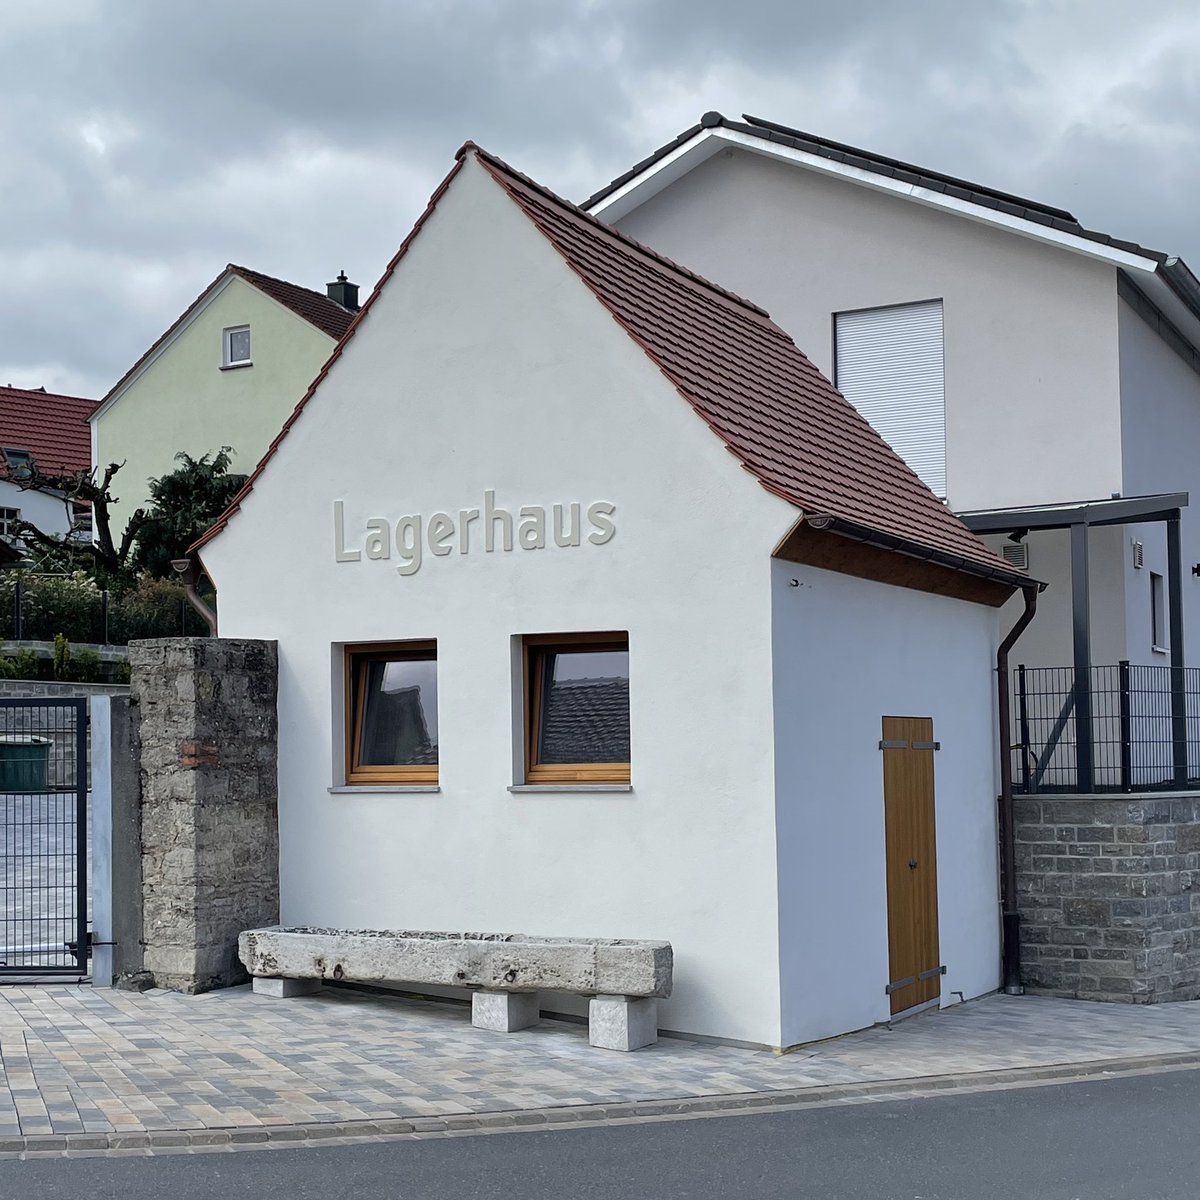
(41, 391)
(941, 176)
(245, 272)
(614, 233)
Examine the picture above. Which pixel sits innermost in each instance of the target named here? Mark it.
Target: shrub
(62, 657)
(52, 604)
(153, 608)
(27, 664)
(8, 668)
(86, 666)
(121, 671)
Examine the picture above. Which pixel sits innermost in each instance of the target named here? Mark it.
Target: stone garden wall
(1109, 896)
(206, 723)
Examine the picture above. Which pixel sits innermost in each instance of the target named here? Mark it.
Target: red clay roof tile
(742, 374)
(759, 393)
(52, 428)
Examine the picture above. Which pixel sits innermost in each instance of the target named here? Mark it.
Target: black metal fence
(43, 837)
(39, 607)
(1119, 728)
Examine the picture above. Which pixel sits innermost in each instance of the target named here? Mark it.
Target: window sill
(571, 787)
(1160, 650)
(354, 789)
(235, 366)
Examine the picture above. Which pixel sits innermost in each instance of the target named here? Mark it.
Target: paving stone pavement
(81, 1061)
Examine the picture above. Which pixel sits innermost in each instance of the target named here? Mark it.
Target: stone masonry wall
(1109, 896)
(209, 823)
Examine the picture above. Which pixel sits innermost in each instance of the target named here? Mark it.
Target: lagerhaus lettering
(488, 528)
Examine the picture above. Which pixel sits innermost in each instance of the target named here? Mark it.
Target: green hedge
(73, 606)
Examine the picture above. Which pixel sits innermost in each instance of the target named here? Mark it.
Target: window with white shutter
(889, 366)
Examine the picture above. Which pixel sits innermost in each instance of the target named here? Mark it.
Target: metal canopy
(1085, 512)
(1079, 518)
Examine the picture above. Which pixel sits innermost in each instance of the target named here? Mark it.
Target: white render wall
(1031, 367)
(487, 364)
(49, 513)
(1160, 422)
(847, 653)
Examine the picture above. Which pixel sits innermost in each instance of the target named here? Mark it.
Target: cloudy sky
(145, 143)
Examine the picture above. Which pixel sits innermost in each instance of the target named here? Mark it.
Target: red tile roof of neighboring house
(52, 428)
(314, 307)
(783, 420)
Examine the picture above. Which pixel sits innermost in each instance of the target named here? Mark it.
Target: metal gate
(43, 837)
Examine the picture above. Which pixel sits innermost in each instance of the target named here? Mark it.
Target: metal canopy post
(1179, 750)
(1082, 640)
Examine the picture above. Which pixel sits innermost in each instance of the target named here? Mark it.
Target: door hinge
(927, 745)
(931, 973)
(893, 744)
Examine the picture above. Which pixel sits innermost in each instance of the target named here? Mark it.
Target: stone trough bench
(505, 972)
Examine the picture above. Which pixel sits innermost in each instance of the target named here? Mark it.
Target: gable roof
(919, 182)
(316, 308)
(52, 428)
(743, 375)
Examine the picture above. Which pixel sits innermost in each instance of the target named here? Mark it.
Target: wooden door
(915, 973)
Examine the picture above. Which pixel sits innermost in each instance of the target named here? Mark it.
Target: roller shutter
(890, 367)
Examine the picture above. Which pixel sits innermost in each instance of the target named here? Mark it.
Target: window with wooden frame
(577, 708)
(392, 713)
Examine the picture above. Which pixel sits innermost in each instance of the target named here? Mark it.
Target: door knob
(912, 864)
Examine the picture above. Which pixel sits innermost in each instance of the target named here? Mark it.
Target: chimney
(343, 292)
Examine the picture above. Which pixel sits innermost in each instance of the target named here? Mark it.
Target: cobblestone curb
(189, 1141)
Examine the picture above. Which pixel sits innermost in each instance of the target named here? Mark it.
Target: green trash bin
(24, 762)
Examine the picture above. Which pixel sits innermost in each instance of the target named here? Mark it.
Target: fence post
(1023, 715)
(18, 604)
(104, 613)
(1126, 720)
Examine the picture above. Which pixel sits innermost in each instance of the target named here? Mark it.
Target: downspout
(1008, 856)
(189, 571)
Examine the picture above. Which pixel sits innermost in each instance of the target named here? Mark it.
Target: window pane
(585, 707)
(239, 345)
(400, 713)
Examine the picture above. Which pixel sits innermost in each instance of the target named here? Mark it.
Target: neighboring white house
(605, 615)
(51, 431)
(1042, 377)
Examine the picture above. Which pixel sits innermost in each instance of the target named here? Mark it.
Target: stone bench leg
(622, 1022)
(283, 988)
(504, 1012)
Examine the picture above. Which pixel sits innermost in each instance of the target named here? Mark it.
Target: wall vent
(1016, 554)
(1139, 555)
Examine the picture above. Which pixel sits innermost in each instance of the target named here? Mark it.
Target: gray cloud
(144, 145)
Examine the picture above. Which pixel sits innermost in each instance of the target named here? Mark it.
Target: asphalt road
(1134, 1138)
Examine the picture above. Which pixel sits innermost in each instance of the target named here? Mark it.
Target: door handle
(912, 864)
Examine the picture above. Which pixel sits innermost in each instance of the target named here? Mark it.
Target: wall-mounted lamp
(819, 521)
(189, 571)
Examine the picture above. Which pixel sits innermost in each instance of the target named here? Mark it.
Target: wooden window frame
(533, 647)
(355, 704)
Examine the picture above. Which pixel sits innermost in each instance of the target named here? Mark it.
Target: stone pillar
(126, 810)
(209, 819)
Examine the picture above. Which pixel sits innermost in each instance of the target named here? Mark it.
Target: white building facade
(523, 459)
(1016, 359)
